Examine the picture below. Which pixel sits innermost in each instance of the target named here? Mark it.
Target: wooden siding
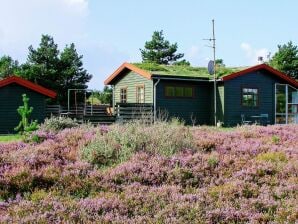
(11, 99)
(184, 108)
(233, 93)
(130, 81)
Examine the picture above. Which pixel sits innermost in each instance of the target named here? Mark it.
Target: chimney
(260, 60)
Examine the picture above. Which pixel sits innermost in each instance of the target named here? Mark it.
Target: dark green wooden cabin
(243, 94)
(261, 85)
(11, 90)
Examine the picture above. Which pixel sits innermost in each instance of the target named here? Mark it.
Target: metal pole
(275, 103)
(68, 99)
(287, 104)
(113, 99)
(92, 102)
(215, 101)
(85, 103)
(154, 103)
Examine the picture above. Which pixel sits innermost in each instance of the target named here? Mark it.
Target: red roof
(27, 84)
(265, 67)
(130, 67)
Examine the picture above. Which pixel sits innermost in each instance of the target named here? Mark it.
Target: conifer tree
(160, 51)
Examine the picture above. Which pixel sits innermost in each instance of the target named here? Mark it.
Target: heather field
(166, 173)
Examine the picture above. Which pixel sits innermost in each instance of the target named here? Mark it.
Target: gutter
(185, 79)
(154, 104)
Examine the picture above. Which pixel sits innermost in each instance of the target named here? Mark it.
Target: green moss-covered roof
(185, 71)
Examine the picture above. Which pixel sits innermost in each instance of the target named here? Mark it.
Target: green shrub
(183, 176)
(272, 157)
(177, 121)
(25, 112)
(275, 139)
(37, 195)
(56, 124)
(213, 161)
(226, 190)
(122, 141)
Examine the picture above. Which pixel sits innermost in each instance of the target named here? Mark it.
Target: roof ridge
(262, 66)
(129, 66)
(30, 85)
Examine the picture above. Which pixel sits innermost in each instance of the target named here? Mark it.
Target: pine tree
(73, 75)
(160, 51)
(48, 67)
(8, 66)
(286, 59)
(42, 65)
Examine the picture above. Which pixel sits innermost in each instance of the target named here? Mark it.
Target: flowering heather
(242, 175)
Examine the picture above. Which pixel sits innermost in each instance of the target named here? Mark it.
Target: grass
(10, 138)
(185, 71)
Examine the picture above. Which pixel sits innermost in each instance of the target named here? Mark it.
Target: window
(140, 94)
(250, 97)
(123, 95)
(179, 91)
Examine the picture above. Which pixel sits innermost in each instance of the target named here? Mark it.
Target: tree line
(49, 67)
(61, 70)
(161, 51)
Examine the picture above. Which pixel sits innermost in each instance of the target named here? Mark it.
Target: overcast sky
(108, 33)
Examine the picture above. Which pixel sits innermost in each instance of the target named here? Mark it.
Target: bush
(56, 124)
(121, 142)
(272, 157)
(213, 161)
(275, 139)
(243, 178)
(25, 112)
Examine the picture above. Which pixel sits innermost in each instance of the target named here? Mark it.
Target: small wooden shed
(11, 90)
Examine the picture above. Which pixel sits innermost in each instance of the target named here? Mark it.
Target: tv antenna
(213, 70)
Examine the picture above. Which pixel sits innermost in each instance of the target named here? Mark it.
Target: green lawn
(10, 138)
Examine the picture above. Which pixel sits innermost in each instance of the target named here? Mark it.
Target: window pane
(169, 91)
(250, 97)
(140, 94)
(178, 91)
(188, 92)
(292, 95)
(280, 119)
(280, 99)
(123, 95)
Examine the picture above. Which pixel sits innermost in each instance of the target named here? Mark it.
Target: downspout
(113, 98)
(154, 104)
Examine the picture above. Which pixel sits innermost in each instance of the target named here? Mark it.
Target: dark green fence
(126, 112)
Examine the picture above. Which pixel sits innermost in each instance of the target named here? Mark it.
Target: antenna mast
(214, 74)
(214, 71)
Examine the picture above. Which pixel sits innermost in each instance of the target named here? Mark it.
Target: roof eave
(130, 67)
(29, 85)
(156, 76)
(259, 67)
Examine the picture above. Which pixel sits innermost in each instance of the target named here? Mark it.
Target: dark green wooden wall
(232, 97)
(11, 99)
(184, 108)
(201, 107)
